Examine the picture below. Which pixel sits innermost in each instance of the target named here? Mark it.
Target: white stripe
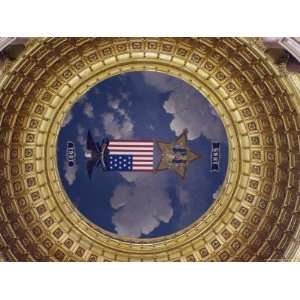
(130, 148)
(137, 158)
(149, 153)
(143, 163)
(120, 143)
(142, 168)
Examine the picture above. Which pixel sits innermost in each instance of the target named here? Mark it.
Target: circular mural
(142, 154)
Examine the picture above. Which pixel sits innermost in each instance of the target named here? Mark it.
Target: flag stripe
(142, 153)
(141, 163)
(142, 158)
(142, 168)
(130, 148)
(130, 143)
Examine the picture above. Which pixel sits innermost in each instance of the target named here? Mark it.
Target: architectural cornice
(6, 41)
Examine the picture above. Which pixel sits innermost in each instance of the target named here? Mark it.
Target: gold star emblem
(176, 156)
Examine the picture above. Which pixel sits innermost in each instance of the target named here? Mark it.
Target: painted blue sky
(142, 105)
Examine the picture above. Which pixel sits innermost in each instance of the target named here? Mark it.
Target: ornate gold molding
(256, 215)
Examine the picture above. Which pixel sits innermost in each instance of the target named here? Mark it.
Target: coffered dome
(256, 214)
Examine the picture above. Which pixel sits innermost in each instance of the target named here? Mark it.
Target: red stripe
(130, 148)
(142, 141)
(127, 146)
(143, 170)
(138, 161)
(136, 155)
(126, 151)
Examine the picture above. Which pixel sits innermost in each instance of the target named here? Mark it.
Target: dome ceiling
(256, 215)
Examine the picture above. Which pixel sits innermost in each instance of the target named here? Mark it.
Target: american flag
(130, 155)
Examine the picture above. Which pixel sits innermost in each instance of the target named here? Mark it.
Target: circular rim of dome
(215, 208)
(252, 219)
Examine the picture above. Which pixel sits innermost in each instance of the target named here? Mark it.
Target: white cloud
(88, 110)
(183, 195)
(124, 95)
(132, 176)
(189, 108)
(123, 112)
(142, 206)
(81, 139)
(162, 82)
(82, 98)
(70, 173)
(217, 192)
(118, 123)
(117, 127)
(68, 118)
(114, 103)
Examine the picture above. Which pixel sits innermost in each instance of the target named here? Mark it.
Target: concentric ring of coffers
(257, 212)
